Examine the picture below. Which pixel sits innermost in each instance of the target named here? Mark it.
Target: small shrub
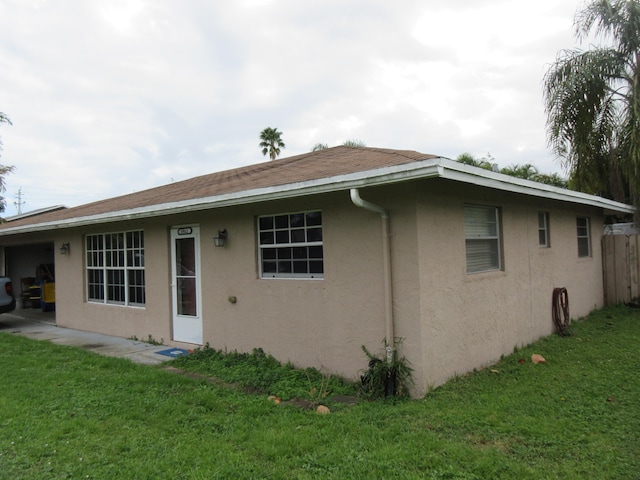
(153, 341)
(318, 393)
(150, 340)
(386, 377)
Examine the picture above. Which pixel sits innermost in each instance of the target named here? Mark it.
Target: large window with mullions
(290, 245)
(115, 268)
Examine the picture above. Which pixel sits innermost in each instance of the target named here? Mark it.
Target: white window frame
(544, 239)
(291, 248)
(583, 231)
(482, 238)
(115, 272)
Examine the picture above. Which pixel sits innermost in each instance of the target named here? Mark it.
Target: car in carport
(7, 298)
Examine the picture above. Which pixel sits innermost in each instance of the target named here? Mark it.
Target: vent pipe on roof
(386, 260)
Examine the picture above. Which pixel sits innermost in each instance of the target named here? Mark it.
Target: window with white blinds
(482, 238)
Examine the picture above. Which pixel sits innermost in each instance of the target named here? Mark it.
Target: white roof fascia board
(456, 171)
(433, 167)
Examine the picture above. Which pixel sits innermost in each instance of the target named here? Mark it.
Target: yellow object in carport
(49, 292)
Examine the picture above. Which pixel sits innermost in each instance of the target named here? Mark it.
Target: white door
(185, 284)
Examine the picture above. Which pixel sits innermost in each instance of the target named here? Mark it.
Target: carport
(28, 266)
(27, 257)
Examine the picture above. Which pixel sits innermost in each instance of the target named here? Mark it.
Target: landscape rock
(535, 358)
(323, 410)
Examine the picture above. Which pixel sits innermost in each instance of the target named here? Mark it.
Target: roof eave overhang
(497, 181)
(430, 168)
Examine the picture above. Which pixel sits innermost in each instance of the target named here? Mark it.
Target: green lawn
(67, 413)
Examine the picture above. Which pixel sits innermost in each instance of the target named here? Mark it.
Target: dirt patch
(213, 380)
(295, 402)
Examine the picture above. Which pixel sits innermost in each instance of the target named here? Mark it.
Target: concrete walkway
(41, 326)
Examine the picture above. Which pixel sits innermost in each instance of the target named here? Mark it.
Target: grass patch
(68, 413)
(263, 373)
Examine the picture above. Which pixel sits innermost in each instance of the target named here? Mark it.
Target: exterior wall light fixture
(65, 249)
(220, 239)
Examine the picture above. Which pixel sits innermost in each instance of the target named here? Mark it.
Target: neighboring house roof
(621, 229)
(332, 169)
(33, 213)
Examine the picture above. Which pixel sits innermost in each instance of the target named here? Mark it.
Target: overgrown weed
(264, 373)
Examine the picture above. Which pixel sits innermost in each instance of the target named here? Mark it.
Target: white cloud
(109, 98)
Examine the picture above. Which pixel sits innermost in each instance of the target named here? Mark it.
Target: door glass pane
(186, 277)
(186, 296)
(185, 257)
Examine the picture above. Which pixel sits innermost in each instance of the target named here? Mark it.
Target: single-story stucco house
(311, 257)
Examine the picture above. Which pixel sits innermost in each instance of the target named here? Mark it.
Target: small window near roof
(291, 245)
(482, 238)
(543, 229)
(584, 236)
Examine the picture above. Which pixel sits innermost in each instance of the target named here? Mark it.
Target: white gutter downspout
(386, 260)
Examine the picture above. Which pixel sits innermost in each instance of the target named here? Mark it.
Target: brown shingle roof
(300, 168)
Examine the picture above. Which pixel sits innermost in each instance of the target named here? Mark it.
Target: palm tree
(271, 142)
(346, 143)
(592, 101)
(552, 179)
(485, 163)
(4, 119)
(319, 146)
(530, 172)
(526, 171)
(4, 170)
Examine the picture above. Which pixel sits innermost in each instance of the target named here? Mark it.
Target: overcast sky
(112, 97)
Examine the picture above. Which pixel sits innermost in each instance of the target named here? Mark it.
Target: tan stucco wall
(450, 322)
(73, 311)
(470, 320)
(322, 323)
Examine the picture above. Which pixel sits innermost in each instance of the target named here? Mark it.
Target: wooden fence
(621, 267)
